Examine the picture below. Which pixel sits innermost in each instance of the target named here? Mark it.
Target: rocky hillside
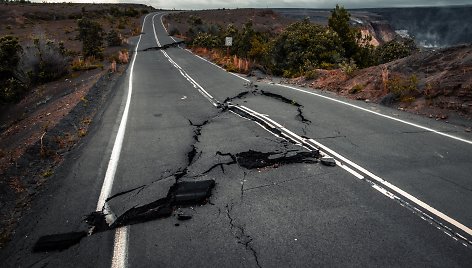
(435, 83)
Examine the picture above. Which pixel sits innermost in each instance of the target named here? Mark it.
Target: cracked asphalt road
(273, 204)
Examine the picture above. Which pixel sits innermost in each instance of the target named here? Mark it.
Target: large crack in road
(184, 193)
(181, 193)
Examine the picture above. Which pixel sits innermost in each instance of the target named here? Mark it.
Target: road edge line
(380, 114)
(119, 258)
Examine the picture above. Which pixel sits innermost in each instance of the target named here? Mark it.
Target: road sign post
(228, 43)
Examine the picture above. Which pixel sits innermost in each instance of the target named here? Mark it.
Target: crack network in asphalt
(241, 236)
(188, 193)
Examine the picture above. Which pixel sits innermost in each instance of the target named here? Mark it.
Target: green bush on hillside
(10, 87)
(303, 46)
(395, 49)
(91, 35)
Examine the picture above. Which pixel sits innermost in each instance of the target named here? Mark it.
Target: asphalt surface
(291, 213)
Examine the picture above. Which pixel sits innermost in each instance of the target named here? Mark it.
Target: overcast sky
(210, 4)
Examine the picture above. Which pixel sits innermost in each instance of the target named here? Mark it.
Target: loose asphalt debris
(185, 193)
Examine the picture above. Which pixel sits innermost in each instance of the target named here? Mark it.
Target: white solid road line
(380, 114)
(120, 248)
(395, 189)
(216, 65)
(355, 169)
(119, 259)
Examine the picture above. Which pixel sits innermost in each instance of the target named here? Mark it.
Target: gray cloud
(210, 4)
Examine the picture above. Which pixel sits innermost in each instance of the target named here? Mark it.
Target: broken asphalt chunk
(181, 193)
(57, 242)
(328, 161)
(190, 192)
(152, 211)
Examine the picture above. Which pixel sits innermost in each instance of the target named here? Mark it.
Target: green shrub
(11, 89)
(402, 87)
(206, 40)
(42, 61)
(91, 35)
(311, 74)
(259, 49)
(303, 46)
(348, 67)
(113, 39)
(395, 49)
(10, 50)
(195, 20)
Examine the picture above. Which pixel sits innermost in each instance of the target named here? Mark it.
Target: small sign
(228, 41)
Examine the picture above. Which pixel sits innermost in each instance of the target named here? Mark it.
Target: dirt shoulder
(37, 133)
(37, 144)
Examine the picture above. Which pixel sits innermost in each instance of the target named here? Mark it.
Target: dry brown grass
(230, 63)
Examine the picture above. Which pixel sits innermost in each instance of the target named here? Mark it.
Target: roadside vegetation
(35, 58)
(298, 50)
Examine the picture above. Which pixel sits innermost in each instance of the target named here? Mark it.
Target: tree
(339, 22)
(113, 39)
(91, 35)
(259, 48)
(242, 42)
(356, 47)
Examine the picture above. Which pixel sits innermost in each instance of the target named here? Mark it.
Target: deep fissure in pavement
(240, 235)
(281, 98)
(239, 96)
(300, 117)
(164, 47)
(253, 159)
(186, 193)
